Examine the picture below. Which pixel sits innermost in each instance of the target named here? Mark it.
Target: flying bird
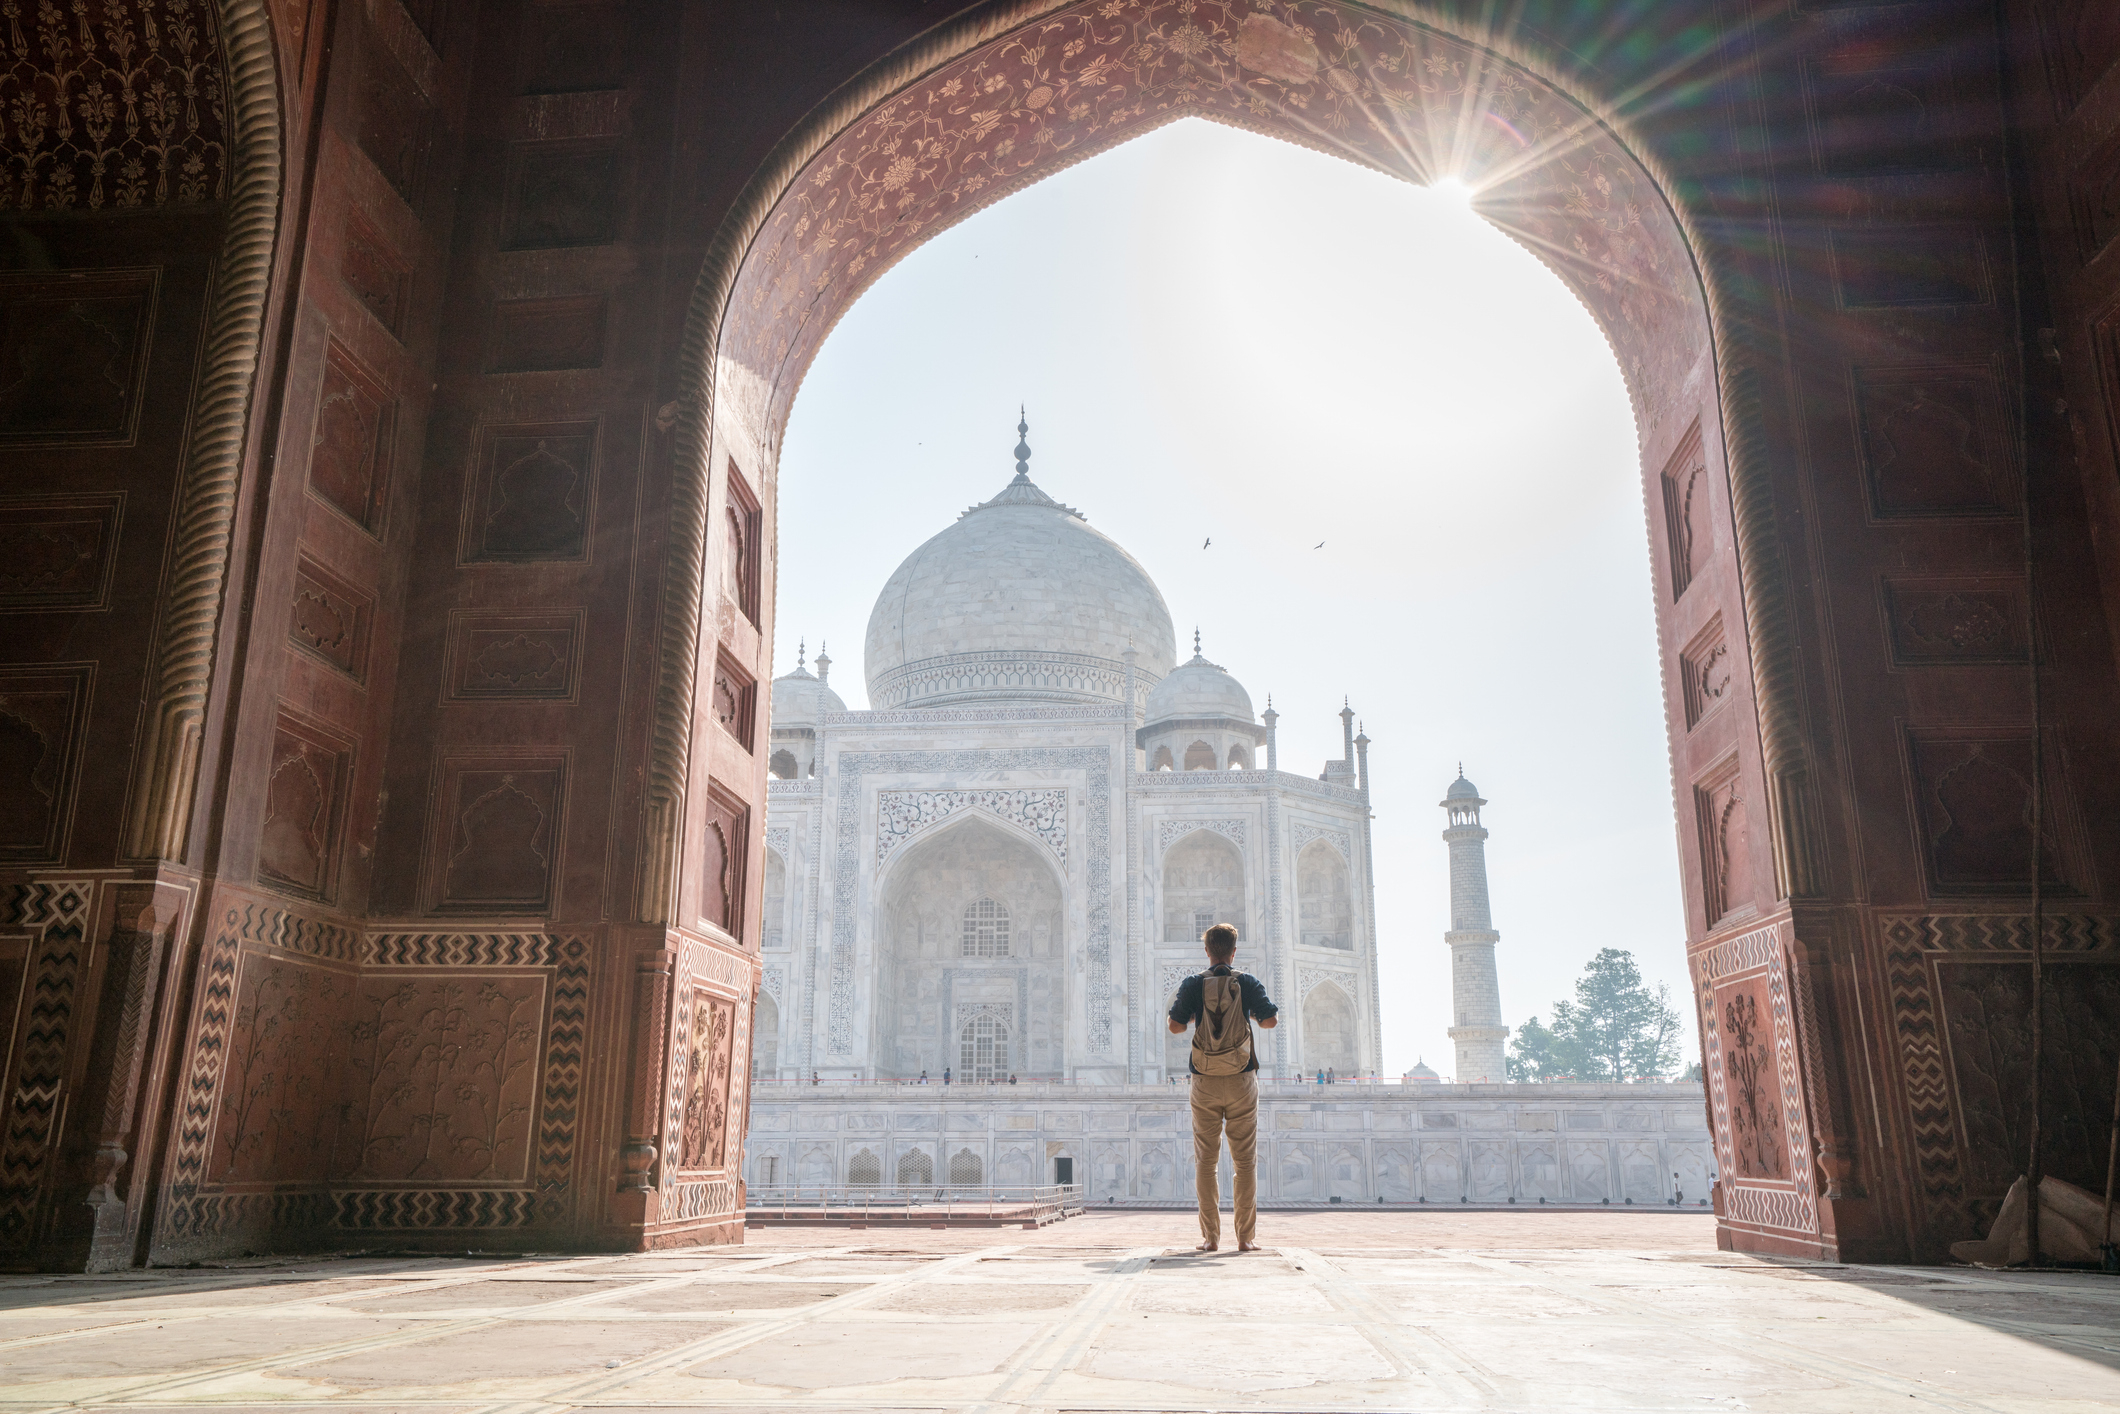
(1319, 546)
(1207, 542)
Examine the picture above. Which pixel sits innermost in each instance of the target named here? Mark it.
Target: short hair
(1221, 941)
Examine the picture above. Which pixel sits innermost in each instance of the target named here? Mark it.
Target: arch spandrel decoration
(1015, 92)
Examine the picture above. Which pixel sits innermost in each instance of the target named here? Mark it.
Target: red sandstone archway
(1016, 92)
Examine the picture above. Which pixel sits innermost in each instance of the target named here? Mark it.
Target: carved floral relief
(1364, 86)
(114, 104)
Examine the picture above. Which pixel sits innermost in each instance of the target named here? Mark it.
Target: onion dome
(1020, 600)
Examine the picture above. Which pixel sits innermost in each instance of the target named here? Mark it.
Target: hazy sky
(1222, 335)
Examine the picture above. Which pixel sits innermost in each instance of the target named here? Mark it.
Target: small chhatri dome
(1198, 689)
(1461, 789)
(800, 698)
(1020, 600)
(1422, 1071)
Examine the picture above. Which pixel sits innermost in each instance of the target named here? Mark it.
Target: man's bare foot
(1247, 1246)
(1208, 1247)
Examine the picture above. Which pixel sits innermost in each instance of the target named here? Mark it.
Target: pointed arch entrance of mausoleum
(973, 877)
(1013, 92)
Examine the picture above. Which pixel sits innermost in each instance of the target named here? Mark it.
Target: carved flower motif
(898, 173)
(1187, 41)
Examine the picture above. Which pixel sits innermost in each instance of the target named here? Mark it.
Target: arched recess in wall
(1324, 901)
(927, 988)
(1016, 90)
(1329, 1039)
(1202, 883)
(163, 789)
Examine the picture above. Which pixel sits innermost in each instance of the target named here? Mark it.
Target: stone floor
(1106, 1312)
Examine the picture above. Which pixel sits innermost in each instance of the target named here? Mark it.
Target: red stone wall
(386, 558)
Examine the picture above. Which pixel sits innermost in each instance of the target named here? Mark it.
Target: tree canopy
(1615, 1029)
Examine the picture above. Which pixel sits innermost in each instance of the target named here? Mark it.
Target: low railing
(928, 1203)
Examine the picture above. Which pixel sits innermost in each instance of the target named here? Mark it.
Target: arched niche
(1200, 756)
(1010, 92)
(774, 933)
(765, 1038)
(1324, 897)
(1330, 1041)
(1202, 884)
(927, 989)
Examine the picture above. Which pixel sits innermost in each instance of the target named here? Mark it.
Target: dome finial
(1196, 640)
(1023, 445)
(802, 653)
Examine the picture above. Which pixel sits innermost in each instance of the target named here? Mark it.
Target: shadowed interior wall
(386, 564)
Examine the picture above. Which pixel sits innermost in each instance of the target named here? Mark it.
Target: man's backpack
(1222, 1036)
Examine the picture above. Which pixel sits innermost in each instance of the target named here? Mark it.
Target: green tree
(1616, 1028)
(1531, 1055)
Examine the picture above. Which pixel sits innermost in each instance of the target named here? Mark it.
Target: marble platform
(1356, 1311)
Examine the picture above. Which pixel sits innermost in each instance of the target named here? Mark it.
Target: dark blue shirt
(1185, 1010)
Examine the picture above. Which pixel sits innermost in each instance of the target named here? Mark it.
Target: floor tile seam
(1745, 1342)
(276, 1308)
(1069, 1335)
(1445, 1361)
(722, 1342)
(336, 1350)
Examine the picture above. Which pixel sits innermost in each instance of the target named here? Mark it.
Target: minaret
(824, 663)
(1272, 719)
(1475, 994)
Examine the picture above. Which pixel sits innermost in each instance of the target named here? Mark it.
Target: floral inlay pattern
(902, 814)
(1376, 90)
(111, 103)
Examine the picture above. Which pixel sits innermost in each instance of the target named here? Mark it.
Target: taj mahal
(1000, 872)
(1005, 866)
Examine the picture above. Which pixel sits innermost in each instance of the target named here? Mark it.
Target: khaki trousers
(1231, 1101)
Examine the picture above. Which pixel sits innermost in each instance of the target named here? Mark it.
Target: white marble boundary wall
(1358, 1143)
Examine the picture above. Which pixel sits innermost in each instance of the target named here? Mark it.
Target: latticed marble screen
(986, 929)
(983, 1049)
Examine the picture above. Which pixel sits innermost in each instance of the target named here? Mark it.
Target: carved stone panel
(1688, 527)
(513, 656)
(1900, 266)
(57, 553)
(305, 807)
(376, 275)
(350, 448)
(1986, 1002)
(444, 1076)
(1933, 442)
(72, 349)
(43, 730)
(563, 194)
(1872, 115)
(282, 1102)
(497, 834)
(330, 619)
(1705, 672)
(1723, 819)
(734, 699)
(724, 850)
(393, 121)
(1973, 808)
(2094, 200)
(703, 1140)
(1943, 620)
(572, 48)
(531, 492)
(1744, 1019)
(548, 335)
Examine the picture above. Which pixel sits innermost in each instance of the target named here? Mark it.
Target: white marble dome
(801, 700)
(1196, 690)
(1022, 599)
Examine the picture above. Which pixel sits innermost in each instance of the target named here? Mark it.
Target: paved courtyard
(1107, 1312)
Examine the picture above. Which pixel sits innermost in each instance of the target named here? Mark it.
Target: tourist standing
(1220, 1005)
